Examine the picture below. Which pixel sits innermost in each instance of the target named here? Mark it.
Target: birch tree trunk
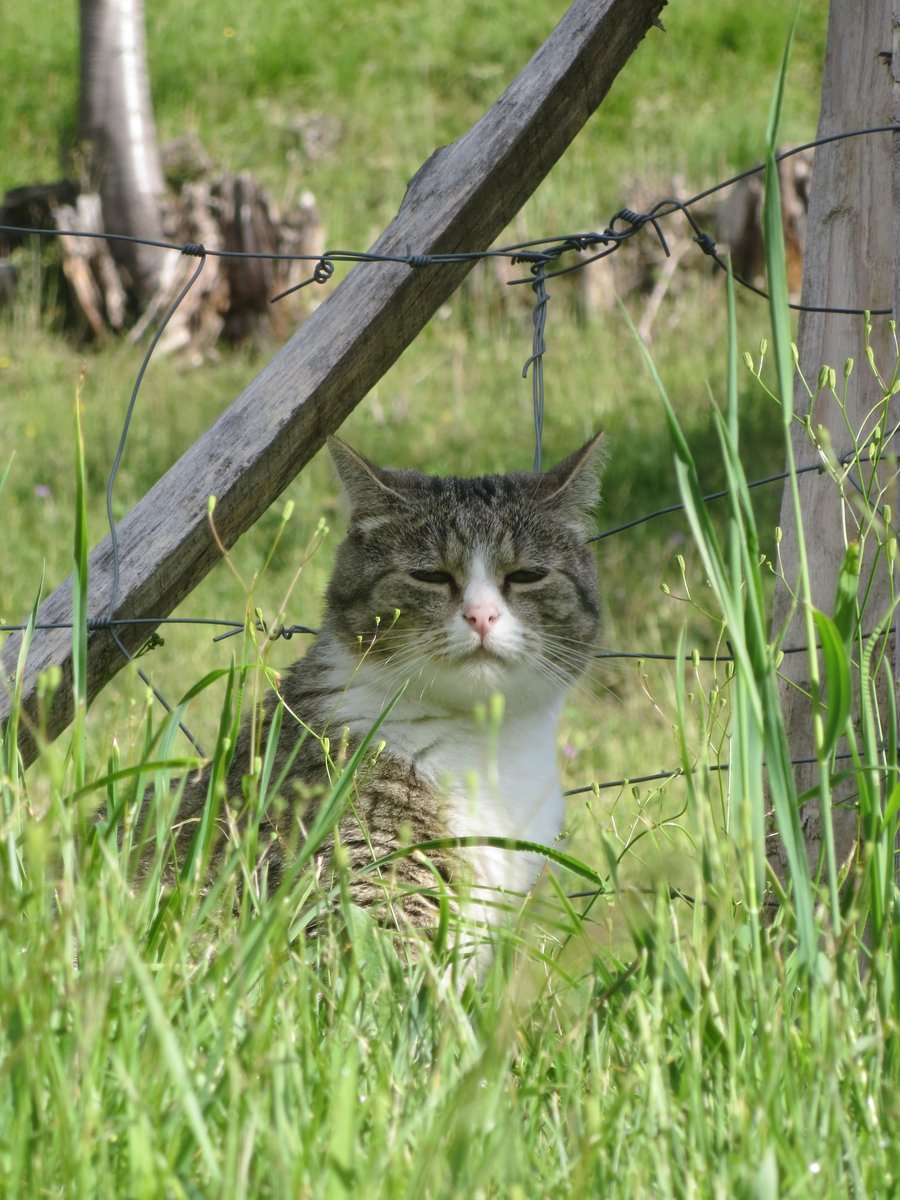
(850, 264)
(116, 121)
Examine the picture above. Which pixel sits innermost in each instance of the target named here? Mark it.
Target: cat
(455, 591)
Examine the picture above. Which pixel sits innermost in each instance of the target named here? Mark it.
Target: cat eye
(524, 576)
(441, 577)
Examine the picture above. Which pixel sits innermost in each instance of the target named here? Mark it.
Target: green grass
(140, 1070)
(397, 80)
(646, 1042)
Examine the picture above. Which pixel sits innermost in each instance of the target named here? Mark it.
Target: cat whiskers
(571, 656)
(565, 662)
(420, 655)
(590, 653)
(414, 655)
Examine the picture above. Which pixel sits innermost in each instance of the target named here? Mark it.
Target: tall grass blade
(745, 777)
(778, 758)
(773, 233)
(737, 583)
(330, 812)
(268, 762)
(515, 845)
(699, 517)
(173, 1057)
(201, 843)
(9, 758)
(9, 733)
(327, 816)
(79, 604)
(838, 685)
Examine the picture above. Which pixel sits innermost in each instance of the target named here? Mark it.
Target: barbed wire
(681, 773)
(539, 250)
(540, 255)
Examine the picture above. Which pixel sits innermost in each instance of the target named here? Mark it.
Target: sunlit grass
(677, 1035)
(207, 1045)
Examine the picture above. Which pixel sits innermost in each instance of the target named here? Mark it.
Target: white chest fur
(499, 778)
(500, 781)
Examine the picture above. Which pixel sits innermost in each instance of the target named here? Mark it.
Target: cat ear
(365, 484)
(574, 483)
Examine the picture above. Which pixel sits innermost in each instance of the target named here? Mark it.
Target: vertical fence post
(849, 263)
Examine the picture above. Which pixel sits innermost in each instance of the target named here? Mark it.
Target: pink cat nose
(481, 615)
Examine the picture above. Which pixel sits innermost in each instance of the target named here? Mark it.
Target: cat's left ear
(574, 484)
(365, 484)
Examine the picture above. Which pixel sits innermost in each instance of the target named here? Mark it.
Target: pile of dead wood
(231, 298)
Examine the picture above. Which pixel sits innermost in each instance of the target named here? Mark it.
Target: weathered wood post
(850, 263)
(460, 200)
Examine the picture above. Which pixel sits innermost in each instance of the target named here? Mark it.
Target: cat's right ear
(574, 481)
(366, 485)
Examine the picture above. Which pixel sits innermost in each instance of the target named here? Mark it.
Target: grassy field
(628, 1045)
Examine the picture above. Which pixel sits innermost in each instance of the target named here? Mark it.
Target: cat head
(469, 586)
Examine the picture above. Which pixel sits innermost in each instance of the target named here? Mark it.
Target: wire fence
(541, 257)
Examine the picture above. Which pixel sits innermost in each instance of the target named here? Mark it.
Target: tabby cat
(456, 591)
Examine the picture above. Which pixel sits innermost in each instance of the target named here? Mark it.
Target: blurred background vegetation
(347, 100)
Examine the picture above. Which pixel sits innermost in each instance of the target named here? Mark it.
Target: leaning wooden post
(461, 199)
(850, 264)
